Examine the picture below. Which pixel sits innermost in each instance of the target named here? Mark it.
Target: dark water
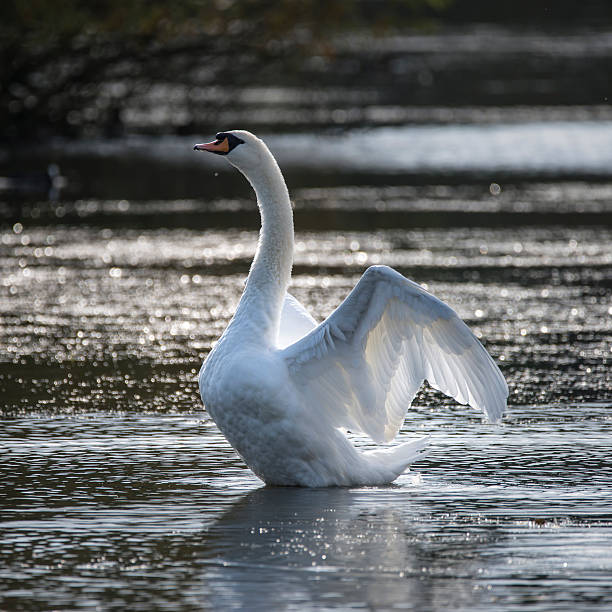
(138, 511)
(117, 491)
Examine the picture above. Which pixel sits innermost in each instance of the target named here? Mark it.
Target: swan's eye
(232, 141)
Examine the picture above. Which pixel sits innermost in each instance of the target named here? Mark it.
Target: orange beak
(220, 147)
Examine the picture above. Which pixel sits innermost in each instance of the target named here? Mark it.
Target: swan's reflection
(279, 548)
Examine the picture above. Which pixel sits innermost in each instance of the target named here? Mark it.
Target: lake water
(118, 492)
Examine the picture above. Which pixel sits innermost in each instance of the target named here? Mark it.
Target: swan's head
(242, 149)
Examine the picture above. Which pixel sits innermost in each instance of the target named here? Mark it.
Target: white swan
(283, 389)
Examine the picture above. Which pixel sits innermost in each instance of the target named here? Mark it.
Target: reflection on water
(117, 491)
(120, 315)
(156, 512)
(534, 149)
(145, 168)
(329, 547)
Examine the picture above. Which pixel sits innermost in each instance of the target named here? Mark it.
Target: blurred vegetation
(71, 67)
(68, 65)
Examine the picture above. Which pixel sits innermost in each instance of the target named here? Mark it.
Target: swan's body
(282, 389)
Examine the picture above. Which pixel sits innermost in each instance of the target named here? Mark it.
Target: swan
(285, 390)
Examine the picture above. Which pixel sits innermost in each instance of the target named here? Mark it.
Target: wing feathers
(295, 322)
(362, 366)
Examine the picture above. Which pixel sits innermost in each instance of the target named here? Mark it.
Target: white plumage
(283, 390)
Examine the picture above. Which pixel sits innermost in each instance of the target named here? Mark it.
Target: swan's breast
(245, 382)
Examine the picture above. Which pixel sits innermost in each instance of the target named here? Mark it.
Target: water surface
(118, 492)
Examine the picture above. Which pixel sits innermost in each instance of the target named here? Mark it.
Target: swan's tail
(397, 458)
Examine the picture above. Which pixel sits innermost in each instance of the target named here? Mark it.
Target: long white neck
(258, 313)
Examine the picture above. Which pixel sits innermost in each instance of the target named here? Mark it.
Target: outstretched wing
(295, 322)
(363, 365)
